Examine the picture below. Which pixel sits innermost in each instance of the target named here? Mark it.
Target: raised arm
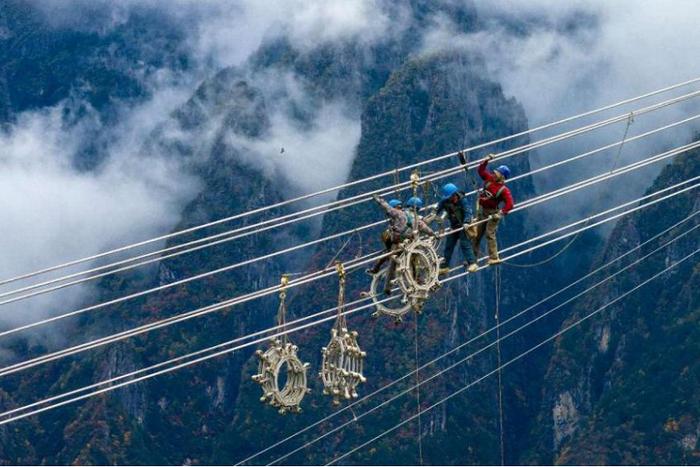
(391, 212)
(484, 172)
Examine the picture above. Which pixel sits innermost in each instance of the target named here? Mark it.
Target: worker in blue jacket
(455, 206)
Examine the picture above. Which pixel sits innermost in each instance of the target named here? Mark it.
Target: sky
(556, 58)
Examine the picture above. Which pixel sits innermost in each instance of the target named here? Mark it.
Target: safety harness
(404, 234)
(486, 194)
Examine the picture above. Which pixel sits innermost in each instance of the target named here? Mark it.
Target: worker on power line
(455, 206)
(492, 195)
(401, 226)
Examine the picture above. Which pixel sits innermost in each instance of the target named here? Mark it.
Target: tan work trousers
(489, 228)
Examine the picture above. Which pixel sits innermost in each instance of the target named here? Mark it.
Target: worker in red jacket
(492, 195)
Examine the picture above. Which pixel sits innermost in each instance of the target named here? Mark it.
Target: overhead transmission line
(286, 331)
(470, 356)
(368, 258)
(483, 334)
(149, 258)
(648, 161)
(377, 176)
(515, 359)
(219, 306)
(240, 299)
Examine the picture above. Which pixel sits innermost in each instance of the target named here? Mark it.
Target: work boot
(471, 267)
(387, 292)
(371, 271)
(444, 269)
(495, 261)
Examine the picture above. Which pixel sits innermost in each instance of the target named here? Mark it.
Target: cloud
(54, 213)
(308, 158)
(557, 58)
(563, 58)
(225, 33)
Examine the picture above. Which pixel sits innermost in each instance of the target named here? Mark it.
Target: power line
(488, 346)
(223, 237)
(320, 274)
(520, 356)
(409, 167)
(226, 351)
(484, 333)
(226, 304)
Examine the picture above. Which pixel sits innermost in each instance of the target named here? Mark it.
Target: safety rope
(111, 386)
(598, 269)
(497, 279)
(518, 357)
(415, 182)
(616, 160)
(418, 384)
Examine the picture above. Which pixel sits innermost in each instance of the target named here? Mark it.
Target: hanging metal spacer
(340, 269)
(415, 181)
(284, 281)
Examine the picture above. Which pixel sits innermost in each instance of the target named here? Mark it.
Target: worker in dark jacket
(401, 223)
(493, 194)
(455, 206)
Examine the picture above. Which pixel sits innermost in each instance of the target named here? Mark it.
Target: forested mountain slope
(582, 400)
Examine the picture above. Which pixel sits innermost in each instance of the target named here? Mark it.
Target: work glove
(497, 216)
(490, 157)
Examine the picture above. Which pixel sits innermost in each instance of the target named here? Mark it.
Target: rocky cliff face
(619, 389)
(428, 105)
(410, 106)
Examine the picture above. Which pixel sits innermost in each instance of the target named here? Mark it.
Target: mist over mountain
(122, 121)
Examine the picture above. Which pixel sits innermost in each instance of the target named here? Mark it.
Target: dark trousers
(388, 242)
(464, 244)
(391, 243)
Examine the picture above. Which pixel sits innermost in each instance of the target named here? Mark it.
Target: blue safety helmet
(448, 190)
(414, 202)
(504, 170)
(395, 203)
